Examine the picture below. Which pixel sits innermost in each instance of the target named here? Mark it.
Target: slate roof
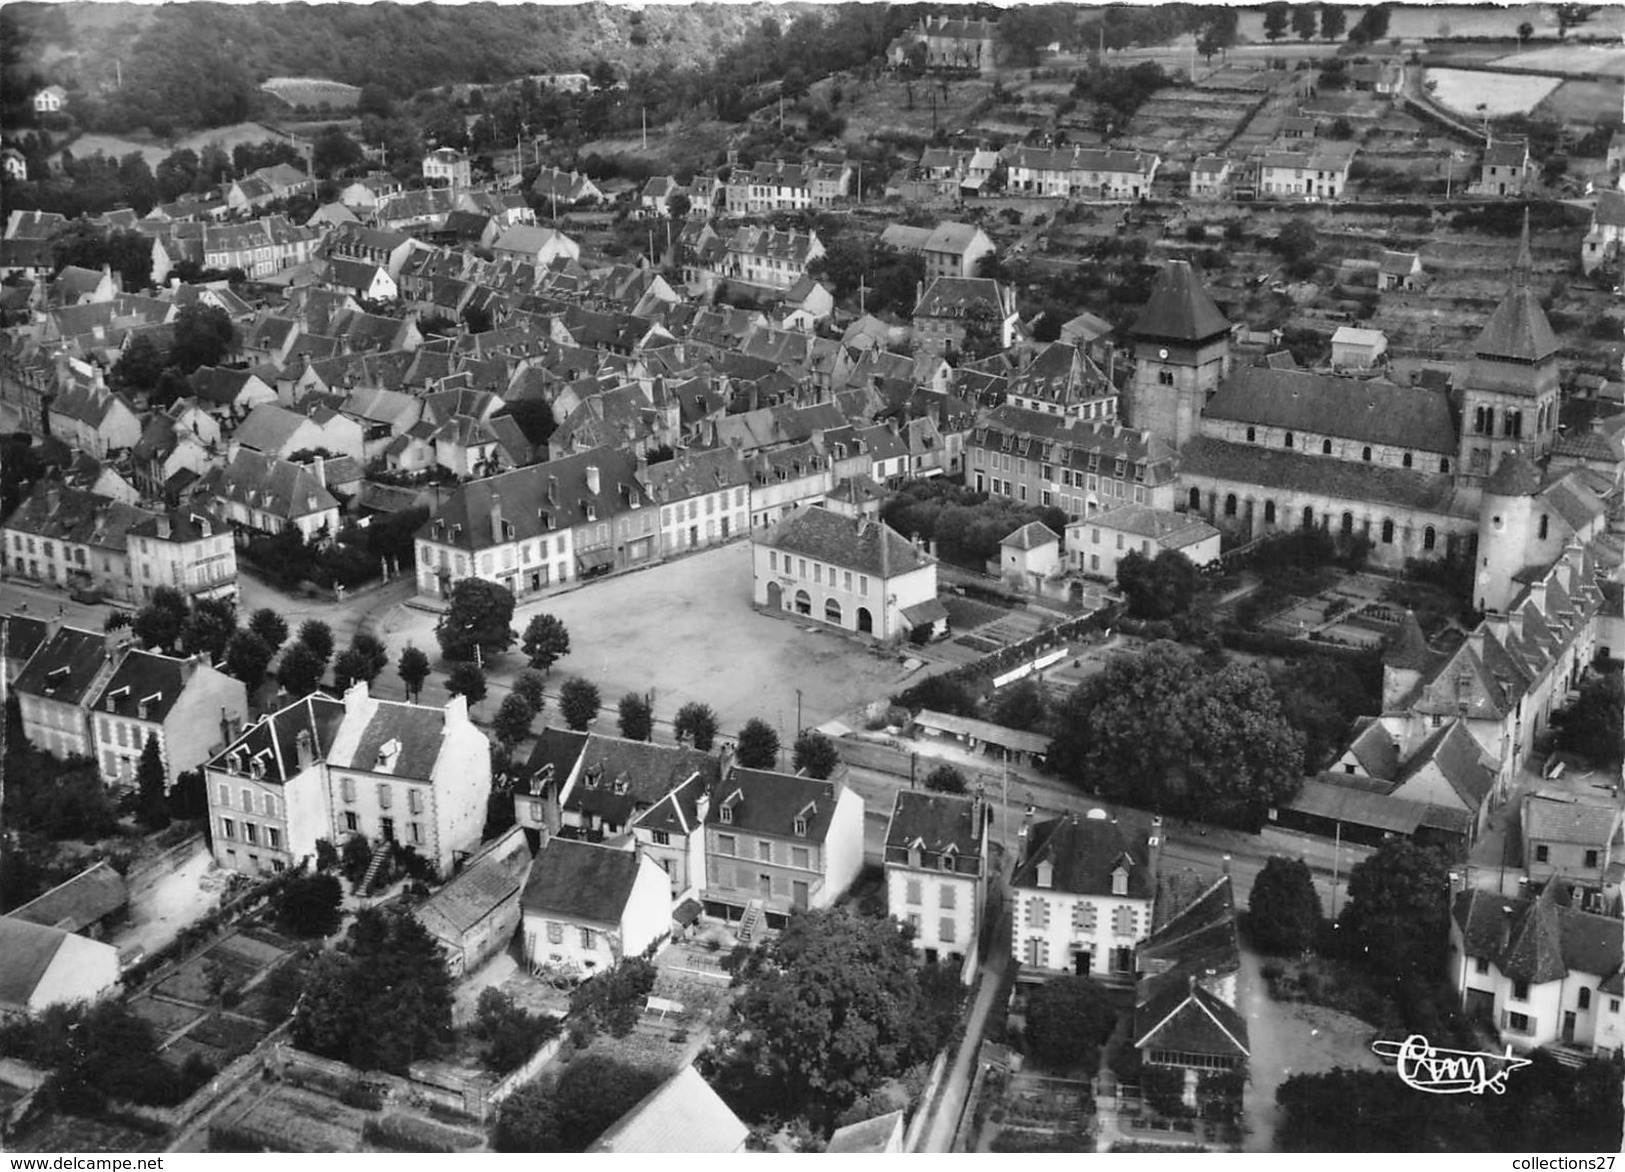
(92, 895)
(1553, 815)
(1543, 941)
(1507, 153)
(694, 473)
(682, 1115)
(79, 517)
(863, 545)
(767, 803)
(1515, 475)
(868, 1137)
(270, 485)
(274, 739)
(936, 821)
(1032, 535)
(494, 875)
(1071, 442)
(1190, 1020)
(1455, 752)
(1370, 412)
(1374, 748)
(1517, 330)
(1179, 309)
(1292, 471)
(1169, 529)
(579, 880)
(559, 747)
(419, 731)
(1409, 649)
(1332, 799)
(619, 777)
(141, 676)
(26, 951)
(65, 666)
(1084, 852)
(24, 635)
(956, 296)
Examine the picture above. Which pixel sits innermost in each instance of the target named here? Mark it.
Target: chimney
(1506, 927)
(163, 527)
(355, 698)
(592, 479)
(318, 469)
(304, 745)
(456, 712)
(553, 490)
(231, 727)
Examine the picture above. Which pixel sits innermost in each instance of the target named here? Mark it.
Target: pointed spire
(1524, 265)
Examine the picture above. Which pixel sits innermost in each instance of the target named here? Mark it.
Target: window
(1230, 505)
(1326, 447)
(225, 791)
(800, 857)
(1405, 460)
(726, 845)
(1123, 921)
(555, 932)
(273, 838)
(726, 814)
(383, 795)
(415, 831)
(352, 821)
(911, 891)
(945, 930)
(1545, 526)
(347, 785)
(946, 896)
(1591, 858)
(1387, 532)
(764, 851)
(1481, 965)
(1287, 443)
(1541, 853)
(228, 828)
(1613, 1005)
(1519, 1022)
(1520, 990)
(589, 938)
(414, 800)
(772, 561)
(662, 838)
(1585, 997)
(1429, 538)
(1038, 911)
(1165, 378)
(1252, 435)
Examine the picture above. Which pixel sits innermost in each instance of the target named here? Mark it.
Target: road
(950, 1105)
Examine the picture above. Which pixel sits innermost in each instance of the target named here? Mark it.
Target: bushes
(614, 999)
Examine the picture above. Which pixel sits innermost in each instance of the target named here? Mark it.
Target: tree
(269, 626)
(351, 665)
(1594, 725)
(158, 624)
(511, 1034)
(815, 754)
(593, 1092)
(413, 668)
(318, 636)
(300, 669)
(373, 654)
(579, 703)
(1333, 20)
(203, 336)
(636, 717)
(546, 641)
(150, 782)
(1283, 911)
(1021, 705)
(1068, 1018)
(1372, 25)
(512, 722)
(531, 686)
(381, 1000)
(946, 779)
(1397, 918)
(527, 1122)
(758, 745)
(1157, 588)
(139, 368)
(1525, 31)
(1160, 731)
(467, 679)
(334, 151)
(1023, 32)
(247, 657)
(1276, 17)
(1305, 21)
(838, 1008)
(481, 615)
(696, 723)
(209, 627)
(308, 906)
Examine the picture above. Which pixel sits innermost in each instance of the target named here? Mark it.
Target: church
(1480, 470)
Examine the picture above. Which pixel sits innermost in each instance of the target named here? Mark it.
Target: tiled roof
(620, 777)
(1085, 852)
(1455, 752)
(936, 821)
(94, 893)
(24, 634)
(1292, 471)
(1409, 647)
(862, 545)
(26, 952)
(490, 878)
(268, 428)
(144, 676)
(72, 515)
(270, 485)
(957, 296)
(1515, 475)
(1032, 535)
(416, 729)
(1556, 816)
(1331, 798)
(1375, 749)
(1511, 153)
(1517, 330)
(65, 666)
(1169, 529)
(694, 473)
(766, 803)
(581, 881)
(869, 1137)
(1179, 308)
(1366, 412)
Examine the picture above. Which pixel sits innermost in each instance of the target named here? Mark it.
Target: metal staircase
(751, 923)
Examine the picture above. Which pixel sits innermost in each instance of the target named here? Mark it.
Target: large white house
(936, 874)
(587, 905)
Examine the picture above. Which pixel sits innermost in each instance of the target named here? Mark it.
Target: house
(91, 418)
(535, 245)
(767, 187)
(1507, 168)
(937, 867)
(50, 100)
(24, 634)
(326, 769)
(1030, 556)
(186, 549)
(776, 843)
(955, 43)
(683, 1114)
(1539, 971)
(614, 782)
(955, 250)
(533, 527)
(447, 168)
(1399, 270)
(1095, 545)
(71, 538)
(587, 905)
(1083, 895)
(42, 966)
(1357, 349)
(258, 492)
(703, 496)
(1601, 242)
(1312, 175)
(880, 1136)
(180, 703)
(566, 187)
(15, 164)
(1185, 1002)
(1210, 177)
(230, 392)
(964, 316)
(770, 258)
(1574, 838)
(475, 916)
(54, 689)
(858, 575)
(88, 904)
(1081, 172)
(656, 195)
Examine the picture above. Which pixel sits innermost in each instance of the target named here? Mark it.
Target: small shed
(1357, 349)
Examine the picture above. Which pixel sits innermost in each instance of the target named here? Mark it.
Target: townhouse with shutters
(588, 905)
(776, 843)
(188, 549)
(1083, 895)
(73, 539)
(320, 768)
(186, 704)
(937, 866)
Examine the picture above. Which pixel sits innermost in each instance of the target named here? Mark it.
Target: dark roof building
(1082, 855)
(1179, 309)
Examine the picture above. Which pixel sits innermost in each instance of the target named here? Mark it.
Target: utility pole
(645, 111)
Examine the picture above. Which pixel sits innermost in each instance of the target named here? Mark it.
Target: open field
(116, 148)
(1471, 92)
(1605, 59)
(1582, 101)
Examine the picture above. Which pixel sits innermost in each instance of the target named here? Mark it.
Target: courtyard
(683, 630)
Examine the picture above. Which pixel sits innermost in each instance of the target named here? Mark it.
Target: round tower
(1506, 530)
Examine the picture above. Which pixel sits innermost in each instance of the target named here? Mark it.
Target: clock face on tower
(1162, 354)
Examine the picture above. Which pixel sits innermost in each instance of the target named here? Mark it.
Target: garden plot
(1582, 101)
(166, 1016)
(1475, 93)
(1189, 122)
(291, 1119)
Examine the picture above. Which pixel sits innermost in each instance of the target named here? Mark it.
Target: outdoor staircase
(379, 854)
(751, 923)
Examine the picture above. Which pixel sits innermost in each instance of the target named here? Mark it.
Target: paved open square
(687, 629)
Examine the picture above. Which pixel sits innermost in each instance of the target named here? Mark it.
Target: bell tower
(1181, 353)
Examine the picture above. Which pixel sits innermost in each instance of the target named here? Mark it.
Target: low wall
(148, 873)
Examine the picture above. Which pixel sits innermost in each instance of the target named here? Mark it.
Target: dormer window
(621, 784)
(726, 814)
(387, 753)
(1045, 873)
(800, 827)
(1120, 881)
